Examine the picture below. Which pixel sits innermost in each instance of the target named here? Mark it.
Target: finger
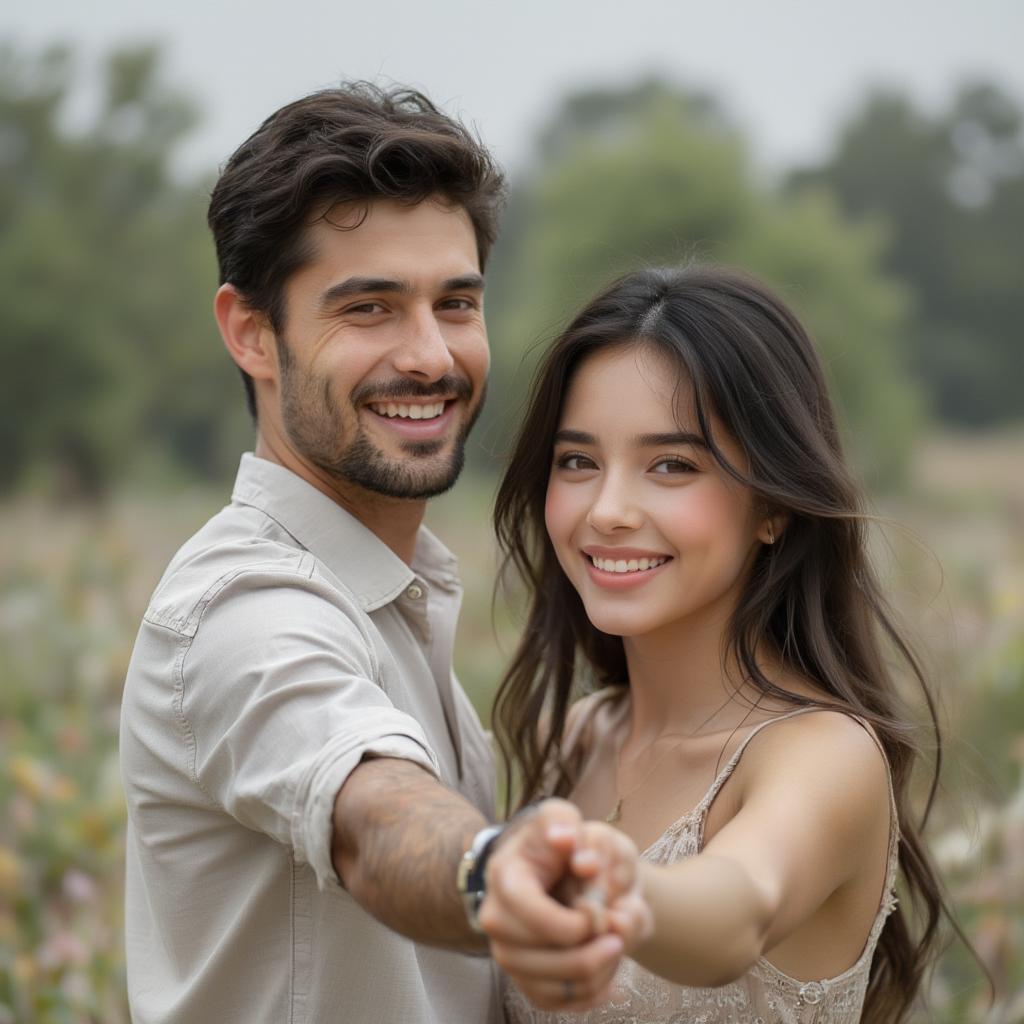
(559, 819)
(587, 861)
(606, 855)
(592, 900)
(559, 822)
(545, 839)
(516, 909)
(593, 963)
(555, 996)
(631, 917)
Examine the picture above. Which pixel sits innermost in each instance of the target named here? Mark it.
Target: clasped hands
(563, 906)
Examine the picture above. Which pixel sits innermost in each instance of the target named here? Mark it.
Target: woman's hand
(605, 882)
(563, 906)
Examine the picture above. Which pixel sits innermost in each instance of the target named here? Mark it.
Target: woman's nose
(615, 508)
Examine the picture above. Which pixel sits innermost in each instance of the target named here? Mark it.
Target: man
(303, 774)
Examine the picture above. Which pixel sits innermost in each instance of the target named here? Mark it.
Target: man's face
(383, 354)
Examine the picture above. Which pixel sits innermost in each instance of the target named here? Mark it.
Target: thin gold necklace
(615, 813)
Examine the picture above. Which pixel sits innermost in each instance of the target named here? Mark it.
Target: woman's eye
(674, 466)
(573, 460)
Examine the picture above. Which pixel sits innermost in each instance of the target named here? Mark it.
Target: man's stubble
(312, 420)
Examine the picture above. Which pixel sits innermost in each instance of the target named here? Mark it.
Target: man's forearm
(398, 838)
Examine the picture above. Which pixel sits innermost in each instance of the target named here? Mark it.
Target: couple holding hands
(707, 759)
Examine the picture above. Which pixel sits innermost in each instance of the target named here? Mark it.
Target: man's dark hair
(355, 143)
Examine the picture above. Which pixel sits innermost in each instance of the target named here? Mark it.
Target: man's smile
(408, 410)
(416, 420)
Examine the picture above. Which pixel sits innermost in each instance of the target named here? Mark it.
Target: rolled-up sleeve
(279, 699)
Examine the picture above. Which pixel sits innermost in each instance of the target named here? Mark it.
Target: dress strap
(730, 767)
(894, 828)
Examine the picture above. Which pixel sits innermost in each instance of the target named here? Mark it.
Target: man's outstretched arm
(399, 835)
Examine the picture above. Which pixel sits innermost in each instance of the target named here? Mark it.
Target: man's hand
(562, 906)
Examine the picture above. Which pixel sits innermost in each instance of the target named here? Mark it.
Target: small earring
(771, 534)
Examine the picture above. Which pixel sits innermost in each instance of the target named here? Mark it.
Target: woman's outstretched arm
(813, 813)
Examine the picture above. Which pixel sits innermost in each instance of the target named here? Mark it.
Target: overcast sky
(787, 70)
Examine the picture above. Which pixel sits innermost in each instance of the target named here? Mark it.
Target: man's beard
(313, 423)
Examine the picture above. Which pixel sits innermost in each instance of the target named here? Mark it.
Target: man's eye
(368, 308)
(459, 305)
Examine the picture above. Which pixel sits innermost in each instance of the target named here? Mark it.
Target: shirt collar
(356, 555)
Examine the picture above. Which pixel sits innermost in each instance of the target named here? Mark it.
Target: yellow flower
(10, 870)
(93, 829)
(63, 789)
(24, 968)
(27, 773)
(1008, 598)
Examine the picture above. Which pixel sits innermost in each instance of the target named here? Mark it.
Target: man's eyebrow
(378, 285)
(640, 441)
(361, 286)
(464, 283)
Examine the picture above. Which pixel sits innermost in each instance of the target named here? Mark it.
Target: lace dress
(764, 995)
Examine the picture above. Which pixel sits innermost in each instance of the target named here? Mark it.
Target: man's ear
(247, 334)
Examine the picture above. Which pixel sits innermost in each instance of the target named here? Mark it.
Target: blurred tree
(951, 186)
(112, 362)
(655, 175)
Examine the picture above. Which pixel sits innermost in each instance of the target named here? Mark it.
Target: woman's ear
(247, 335)
(773, 525)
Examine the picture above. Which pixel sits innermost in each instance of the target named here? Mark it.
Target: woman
(694, 548)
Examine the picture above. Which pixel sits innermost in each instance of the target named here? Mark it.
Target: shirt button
(414, 592)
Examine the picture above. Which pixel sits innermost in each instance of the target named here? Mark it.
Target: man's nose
(615, 507)
(423, 351)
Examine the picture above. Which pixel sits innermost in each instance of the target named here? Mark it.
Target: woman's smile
(622, 568)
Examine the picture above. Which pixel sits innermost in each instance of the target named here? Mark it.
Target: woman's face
(650, 530)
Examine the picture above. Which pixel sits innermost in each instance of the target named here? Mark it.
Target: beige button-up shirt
(285, 642)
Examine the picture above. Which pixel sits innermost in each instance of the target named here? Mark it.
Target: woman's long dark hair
(812, 595)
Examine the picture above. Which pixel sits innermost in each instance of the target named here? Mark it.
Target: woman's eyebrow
(574, 437)
(673, 437)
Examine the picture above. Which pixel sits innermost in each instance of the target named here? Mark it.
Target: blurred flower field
(73, 586)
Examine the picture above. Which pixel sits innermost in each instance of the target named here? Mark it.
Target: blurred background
(866, 159)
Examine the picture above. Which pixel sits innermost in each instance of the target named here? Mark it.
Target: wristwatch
(471, 879)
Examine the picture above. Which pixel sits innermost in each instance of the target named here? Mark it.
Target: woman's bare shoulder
(836, 747)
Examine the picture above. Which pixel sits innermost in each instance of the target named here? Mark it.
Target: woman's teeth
(627, 565)
(409, 412)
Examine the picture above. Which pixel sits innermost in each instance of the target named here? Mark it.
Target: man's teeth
(410, 412)
(627, 565)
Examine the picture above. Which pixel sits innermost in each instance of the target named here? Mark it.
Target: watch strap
(472, 874)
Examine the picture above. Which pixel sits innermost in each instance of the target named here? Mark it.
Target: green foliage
(105, 275)
(951, 187)
(653, 175)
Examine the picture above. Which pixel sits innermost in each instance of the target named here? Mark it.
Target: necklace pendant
(615, 813)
